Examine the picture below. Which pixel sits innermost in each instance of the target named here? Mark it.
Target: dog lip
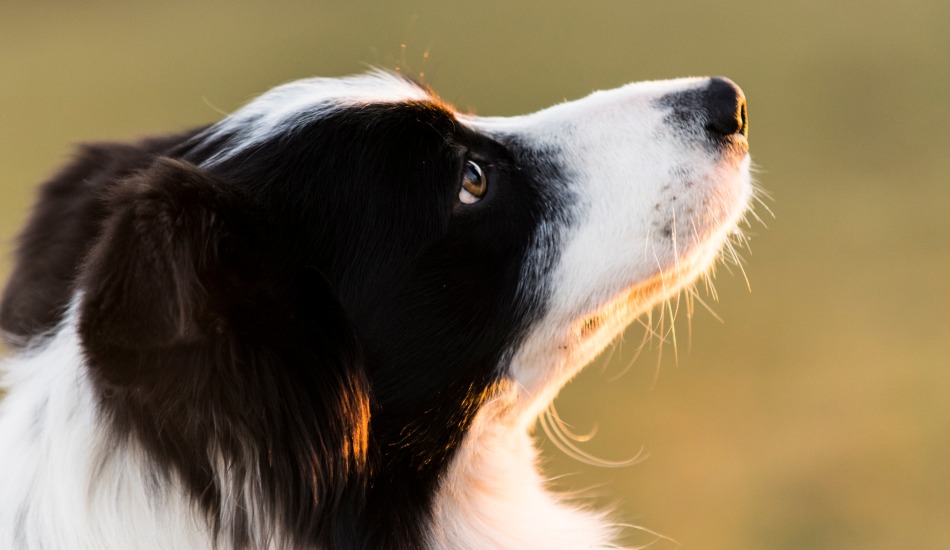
(734, 148)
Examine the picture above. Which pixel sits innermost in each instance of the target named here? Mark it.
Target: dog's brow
(288, 106)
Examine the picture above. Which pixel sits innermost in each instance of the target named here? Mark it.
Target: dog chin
(594, 329)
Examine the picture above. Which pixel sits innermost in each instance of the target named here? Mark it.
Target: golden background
(817, 413)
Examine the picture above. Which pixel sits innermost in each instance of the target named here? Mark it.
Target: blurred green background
(817, 413)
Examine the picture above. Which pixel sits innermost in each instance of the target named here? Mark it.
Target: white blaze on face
(654, 201)
(280, 110)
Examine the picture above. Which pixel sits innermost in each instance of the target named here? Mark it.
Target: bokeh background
(816, 413)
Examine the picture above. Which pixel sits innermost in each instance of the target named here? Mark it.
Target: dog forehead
(306, 94)
(291, 105)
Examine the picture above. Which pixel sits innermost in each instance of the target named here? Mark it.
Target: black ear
(144, 282)
(203, 339)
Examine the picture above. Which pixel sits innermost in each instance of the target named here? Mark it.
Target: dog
(331, 319)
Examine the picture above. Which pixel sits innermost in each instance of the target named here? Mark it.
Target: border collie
(331, 319)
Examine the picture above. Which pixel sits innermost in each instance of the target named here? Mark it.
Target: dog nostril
(744, 119)
(725, 108)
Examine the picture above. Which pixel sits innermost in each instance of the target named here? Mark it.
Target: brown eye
(474, 184)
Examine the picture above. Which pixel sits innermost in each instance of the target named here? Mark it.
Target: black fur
(320, 306)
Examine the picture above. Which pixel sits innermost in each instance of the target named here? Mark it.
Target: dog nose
(724, 104)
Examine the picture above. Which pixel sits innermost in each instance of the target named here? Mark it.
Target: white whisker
(570, 448)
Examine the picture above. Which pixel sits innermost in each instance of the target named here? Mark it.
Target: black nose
(725, 108)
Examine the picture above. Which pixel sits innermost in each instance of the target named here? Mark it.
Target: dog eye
(474, 184)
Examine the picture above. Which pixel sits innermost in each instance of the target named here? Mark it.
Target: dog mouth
(693, 249)
(634, 300)
(734, 149)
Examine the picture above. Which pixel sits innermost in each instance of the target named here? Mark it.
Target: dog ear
(189, 317)
(144, 281)
(183, 262)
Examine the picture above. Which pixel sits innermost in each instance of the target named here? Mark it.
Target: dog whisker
(570, 448)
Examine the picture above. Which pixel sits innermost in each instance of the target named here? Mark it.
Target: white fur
(64, 484)
(493, 496)
(286, 107)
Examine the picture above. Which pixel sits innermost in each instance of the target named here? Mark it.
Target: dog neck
(493, 495)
